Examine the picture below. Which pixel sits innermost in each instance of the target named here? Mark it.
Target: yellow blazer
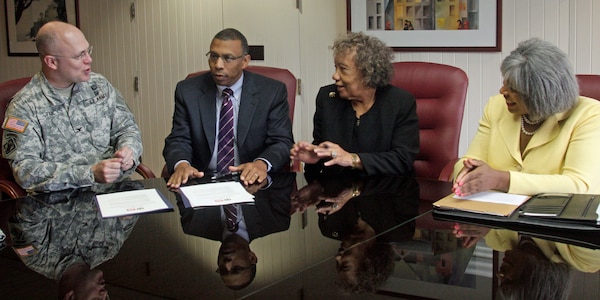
(580, 258)
(562, 156)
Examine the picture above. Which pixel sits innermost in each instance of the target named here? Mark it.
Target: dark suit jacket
(269, 214)
(264, 128)
(387, 139)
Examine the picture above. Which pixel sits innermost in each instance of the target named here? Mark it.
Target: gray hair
(538, 278)
(542, 76)
(373, 58)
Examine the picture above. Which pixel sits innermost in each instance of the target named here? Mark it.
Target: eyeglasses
(80, 56)
(235, 270)
(213, 57)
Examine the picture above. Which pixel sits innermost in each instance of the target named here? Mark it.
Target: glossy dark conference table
(387, 231)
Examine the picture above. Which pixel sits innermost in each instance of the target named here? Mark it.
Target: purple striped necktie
(231, 217)
(225, 155)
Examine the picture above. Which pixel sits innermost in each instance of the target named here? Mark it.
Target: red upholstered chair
(144, 171)
(589, 85)
(282, 75)
(441, 92)
(8, 185)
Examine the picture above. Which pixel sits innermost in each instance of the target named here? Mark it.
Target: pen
(227, 176)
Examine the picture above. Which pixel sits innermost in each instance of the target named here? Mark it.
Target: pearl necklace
(523, 120)
(526, 119)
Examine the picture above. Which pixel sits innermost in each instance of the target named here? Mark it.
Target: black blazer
(387, 139)
(384, 202)
(264, 128)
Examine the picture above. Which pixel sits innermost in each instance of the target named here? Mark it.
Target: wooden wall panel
(320, 23)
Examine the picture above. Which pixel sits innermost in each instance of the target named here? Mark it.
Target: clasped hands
(470, 234)
(108, 170)
(477, 176)
(311, 154)
(250, 173)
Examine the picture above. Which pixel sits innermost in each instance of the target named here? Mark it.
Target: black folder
(567, 218)
(572, 208)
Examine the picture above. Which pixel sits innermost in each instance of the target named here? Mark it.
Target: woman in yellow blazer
(537, 135)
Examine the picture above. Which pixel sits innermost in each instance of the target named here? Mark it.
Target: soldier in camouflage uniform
(62, 233)
(68, 126)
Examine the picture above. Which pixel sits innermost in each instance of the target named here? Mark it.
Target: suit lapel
(247, 109)
(510, 132)
(205, 222)
(207, 108)
(545, 134)
(253, 221)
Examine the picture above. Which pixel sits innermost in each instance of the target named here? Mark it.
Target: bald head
(55, 34)
(65, 54)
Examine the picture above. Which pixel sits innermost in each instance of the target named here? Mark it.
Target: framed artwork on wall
(430, 25)
(25, 17)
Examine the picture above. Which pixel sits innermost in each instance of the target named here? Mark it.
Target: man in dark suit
(262, 128)
(268, 214)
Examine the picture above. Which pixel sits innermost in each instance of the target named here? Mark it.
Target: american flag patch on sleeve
(15, 124)
(26, 251)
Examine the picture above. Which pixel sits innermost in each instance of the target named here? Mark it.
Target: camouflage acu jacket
(52, 142)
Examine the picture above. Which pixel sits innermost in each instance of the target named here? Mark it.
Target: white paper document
(132, 202)
(496, 197)
(213, 194)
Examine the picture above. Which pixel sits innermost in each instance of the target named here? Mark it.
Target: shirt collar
(236, 87)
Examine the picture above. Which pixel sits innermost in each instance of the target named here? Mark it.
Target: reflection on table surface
(331, 237)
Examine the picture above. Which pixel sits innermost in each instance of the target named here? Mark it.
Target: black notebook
(568, 218)
(577, 208)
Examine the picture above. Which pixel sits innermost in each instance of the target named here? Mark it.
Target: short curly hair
(373, 271)
(373, 57)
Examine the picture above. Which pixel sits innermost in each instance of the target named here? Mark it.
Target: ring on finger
(334, 206)
(256, 174)
(333, 154)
